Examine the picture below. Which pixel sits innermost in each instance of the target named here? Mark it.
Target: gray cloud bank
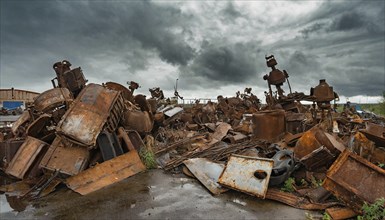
(204, 44)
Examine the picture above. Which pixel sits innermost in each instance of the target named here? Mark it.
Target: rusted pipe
(122, 134)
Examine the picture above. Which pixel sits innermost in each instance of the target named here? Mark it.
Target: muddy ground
(152, 195)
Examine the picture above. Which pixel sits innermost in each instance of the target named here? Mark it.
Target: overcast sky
(212, 47)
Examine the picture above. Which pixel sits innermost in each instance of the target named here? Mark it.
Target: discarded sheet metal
(207, 172)
(51, 99)
(315, 138)
(65, 157)
(376, 133)
(106, 173)
(318, 158)
(173, 111)
(269, 125)
(220, 133)
(362, 146)
(27, 157)
(38, 128)
(247, 174)
(355, 180)
(340, 213)
(296, 201)
(8, 149)
(22, 120)
(95, 107)
(294, 122)
(318, 194)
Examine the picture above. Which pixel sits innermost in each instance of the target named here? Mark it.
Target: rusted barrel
(269, 125)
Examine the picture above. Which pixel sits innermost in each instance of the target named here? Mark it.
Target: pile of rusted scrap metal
(89, 136)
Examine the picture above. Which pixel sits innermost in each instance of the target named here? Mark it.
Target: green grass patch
(378, 109)
(375, 211)
(148, 158)
(288, 186)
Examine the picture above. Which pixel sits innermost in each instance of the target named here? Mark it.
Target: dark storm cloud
(343, 43)
(317, 27)
(224, 63)
(349, 21)
(355, 16)
(84, 31)
(209, 44)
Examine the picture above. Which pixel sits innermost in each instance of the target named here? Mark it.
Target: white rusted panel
(247, 174)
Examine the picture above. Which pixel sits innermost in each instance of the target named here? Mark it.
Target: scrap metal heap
(88, 136)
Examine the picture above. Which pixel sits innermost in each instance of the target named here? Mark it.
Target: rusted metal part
(96, 107)
(376, 133)
(137, 120)
(109, 145)
(339, 213)
(127, 143)
(362, 146)
(65, 157)
(16, 203)
(21, 121)
(320, 157)
(253, 179)
(38, 128)
(217, 152)
(220, 133)
(153, 105)
(8, 150)
(132, 86)
(378, 156)
(355, 180)
(333, 143)
(294, 122)
(106, 173)
(296, 201)
(306, 144)
(318, 194)
(27, 157)
(235, 137)
(135, 139)
(51, 99)
(291, 139)
(180, 143)
(269, 125)
(141, 101)
(323, 94)
(126, 93)
(156, 93)
(207, 172)
(313, 140)
(73, 80)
